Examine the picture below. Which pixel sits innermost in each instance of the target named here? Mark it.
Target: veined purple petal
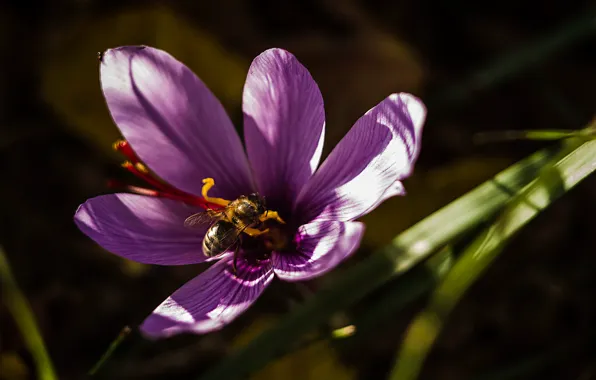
(144, 229)
(322, 245)
(173, 121)
(284, 122)
(211, 300)
(367, 165)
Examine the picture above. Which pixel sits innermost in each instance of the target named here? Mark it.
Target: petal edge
(323, 245)
(368, 164)
(284, 123)
(173, 121)
(210, 301)
(143, 229)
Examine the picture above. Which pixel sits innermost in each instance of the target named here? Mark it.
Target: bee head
(259, 202)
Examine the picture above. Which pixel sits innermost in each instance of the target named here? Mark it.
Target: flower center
(247, 215)
(278, 238)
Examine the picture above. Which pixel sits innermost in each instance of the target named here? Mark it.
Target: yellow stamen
(252, 232)
(271, 215)
(126, 164)
(117, 144)
(142, 168)
(208, 183)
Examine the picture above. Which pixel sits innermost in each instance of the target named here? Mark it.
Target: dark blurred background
(480, 66)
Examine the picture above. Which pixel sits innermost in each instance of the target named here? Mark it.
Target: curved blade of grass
(554, 181)
(408, 249)
(547, 134)
(23, 316)
(126, 330)
(412, 285)
(401, 292)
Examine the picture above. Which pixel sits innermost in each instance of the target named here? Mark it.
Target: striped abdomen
(219, 238)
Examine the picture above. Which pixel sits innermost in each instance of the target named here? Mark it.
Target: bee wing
(229, 233)
(202, 218)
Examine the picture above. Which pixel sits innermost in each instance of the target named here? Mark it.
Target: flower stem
(23, 316)
(112, 347)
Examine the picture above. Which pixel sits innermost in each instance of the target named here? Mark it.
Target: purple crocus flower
(181, 132)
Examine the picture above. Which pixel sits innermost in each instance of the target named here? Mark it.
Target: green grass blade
(555, 180)
(405, 289)
(408, 249)
(111, 348)
(21, 311)
(546, 135)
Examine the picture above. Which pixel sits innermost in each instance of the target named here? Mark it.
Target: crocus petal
(368, 163)
(173, 121)
(211, 300)
(284, 122)
(321, 246)
(144, 229)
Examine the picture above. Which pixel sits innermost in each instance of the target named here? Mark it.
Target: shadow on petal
(144, 229)
(322, 245)
(211, 300)
(368, 163)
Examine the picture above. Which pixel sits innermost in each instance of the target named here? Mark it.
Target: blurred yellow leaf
(71, 71)
(316, 361)
(12, 367)
(427, 192)
(134, 269)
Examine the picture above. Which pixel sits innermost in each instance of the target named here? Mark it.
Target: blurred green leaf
(71, 71)
(546, 134)
(21, 311)
(402, 291)
(406, 250)
(565, 171)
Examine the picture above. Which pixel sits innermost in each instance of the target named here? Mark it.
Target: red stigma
(123, 147)
(162, 189)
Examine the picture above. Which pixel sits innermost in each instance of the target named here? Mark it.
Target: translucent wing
(202, 218)
(231, 236)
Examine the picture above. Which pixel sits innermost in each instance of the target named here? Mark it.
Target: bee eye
(254, 197)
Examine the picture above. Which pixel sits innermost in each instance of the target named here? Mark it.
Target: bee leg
(236, 251)
(208, 183)
(212, 214)
(271, 215)
(253, 232)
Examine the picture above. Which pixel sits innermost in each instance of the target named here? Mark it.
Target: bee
(227, 225)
